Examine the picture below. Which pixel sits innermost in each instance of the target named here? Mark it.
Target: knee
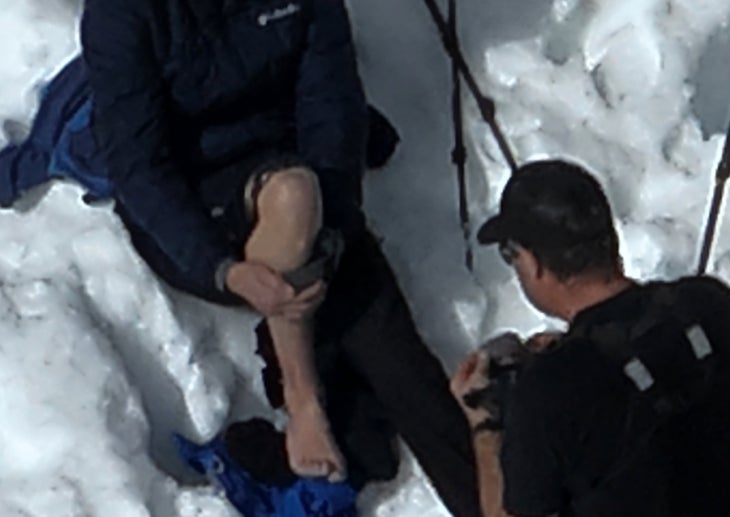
(293, 191)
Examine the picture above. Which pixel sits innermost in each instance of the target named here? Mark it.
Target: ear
(530, 266)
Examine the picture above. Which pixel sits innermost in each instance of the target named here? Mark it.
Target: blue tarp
(303, 498)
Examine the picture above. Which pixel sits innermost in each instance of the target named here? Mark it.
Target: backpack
(670, 364)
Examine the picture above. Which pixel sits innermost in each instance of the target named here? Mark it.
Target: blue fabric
(304, 498)
(60, 144)
(75, 156)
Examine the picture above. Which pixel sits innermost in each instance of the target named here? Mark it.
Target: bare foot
(311, 448)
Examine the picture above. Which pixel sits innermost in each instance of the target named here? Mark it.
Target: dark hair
(596, 257)
(577, 206)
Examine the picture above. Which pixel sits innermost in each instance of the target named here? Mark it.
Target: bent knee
(289, 204)
(294, 190)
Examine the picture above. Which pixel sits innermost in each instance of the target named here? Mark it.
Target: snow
(99, 361)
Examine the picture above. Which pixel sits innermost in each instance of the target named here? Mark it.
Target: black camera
(507, 355)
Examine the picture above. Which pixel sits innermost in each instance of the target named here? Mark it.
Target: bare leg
(289, 218)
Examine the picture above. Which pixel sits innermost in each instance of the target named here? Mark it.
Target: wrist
(475, 416)
(487, 440)
(481, 421)
(487, 426)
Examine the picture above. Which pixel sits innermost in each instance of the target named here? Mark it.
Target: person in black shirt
(626, 414)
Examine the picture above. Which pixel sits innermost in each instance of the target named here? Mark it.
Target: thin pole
(458, 154)
(485, 105)
(721, 177)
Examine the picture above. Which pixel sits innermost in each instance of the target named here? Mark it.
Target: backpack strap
(669, 361)
(665, 352)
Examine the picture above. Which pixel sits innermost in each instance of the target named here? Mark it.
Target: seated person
(232, 135)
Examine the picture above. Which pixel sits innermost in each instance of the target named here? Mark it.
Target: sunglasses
(508, 251)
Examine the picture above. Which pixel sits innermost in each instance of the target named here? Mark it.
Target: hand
(260, 286)
(469, 376)
(542, 340)
(306, 302)
(268, 292)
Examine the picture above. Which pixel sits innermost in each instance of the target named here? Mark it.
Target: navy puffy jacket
(183, 89)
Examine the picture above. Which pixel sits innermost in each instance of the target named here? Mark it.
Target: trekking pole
(484, 104)
(458, 154)
(721, 177)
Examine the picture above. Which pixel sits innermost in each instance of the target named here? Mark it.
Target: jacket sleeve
(131, 126)
(331, 111)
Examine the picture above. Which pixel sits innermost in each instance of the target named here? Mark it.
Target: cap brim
(492, 231)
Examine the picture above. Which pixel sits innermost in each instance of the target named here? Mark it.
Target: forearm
(486, 449)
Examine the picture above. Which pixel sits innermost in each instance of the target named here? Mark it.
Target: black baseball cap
(550, 204)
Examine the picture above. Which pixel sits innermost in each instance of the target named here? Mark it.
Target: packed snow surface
(99, 361)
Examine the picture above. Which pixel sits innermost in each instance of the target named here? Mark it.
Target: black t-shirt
(568, 448)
